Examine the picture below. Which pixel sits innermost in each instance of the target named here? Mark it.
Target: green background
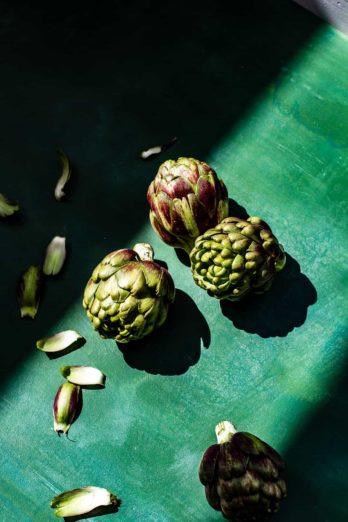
(261, 95)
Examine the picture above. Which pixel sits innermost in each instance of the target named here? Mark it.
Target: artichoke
(242, 476)
(186, 198)
(128, 294)
(236, 257)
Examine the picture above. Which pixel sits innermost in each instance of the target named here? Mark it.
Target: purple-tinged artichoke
(242, 475)
(128, 295)
(186, 198)
(236, 257)
(66, 406)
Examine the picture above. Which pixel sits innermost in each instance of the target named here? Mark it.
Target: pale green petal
(55, 256)
(7, 207)
(80, 501)
(83, 375)
(60, 341)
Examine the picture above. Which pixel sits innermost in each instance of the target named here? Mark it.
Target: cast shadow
(97, 512)
(317, 461)
(109, 61)
(236, 210)
(280, 310)
(176, 346)
(15, 220)
(182, 256)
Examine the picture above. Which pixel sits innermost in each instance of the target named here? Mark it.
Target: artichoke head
(128, 294)
(243, 477)
(186, 198)
(236, 257)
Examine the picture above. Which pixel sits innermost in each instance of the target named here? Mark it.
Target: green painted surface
(275, 365)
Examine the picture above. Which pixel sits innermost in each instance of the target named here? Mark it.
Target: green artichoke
(242, 475)
(186, 198)
(128, 294)
(236, 257)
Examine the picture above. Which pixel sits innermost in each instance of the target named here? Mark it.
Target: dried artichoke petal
(64, 177)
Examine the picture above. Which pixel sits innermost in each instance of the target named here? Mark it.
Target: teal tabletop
(261, 95)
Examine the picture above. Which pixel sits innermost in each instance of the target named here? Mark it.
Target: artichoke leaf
(64, 177)
(7, 207)
(82, 500)
(60, 341)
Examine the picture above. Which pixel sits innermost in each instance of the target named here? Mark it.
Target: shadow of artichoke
(176, 346)
(279, 311)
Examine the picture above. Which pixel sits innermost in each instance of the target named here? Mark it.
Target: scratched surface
(274, 365)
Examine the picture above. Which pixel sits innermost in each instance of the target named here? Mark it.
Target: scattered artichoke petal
(83, 375)
(28, 291)
(66, 405)
(7, 207)
(55, 256)
(60, 341)
(153, 151)
(82, 500)
(64, 177)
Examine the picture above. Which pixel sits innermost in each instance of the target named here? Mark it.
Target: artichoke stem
(224, 431)
(144, 251)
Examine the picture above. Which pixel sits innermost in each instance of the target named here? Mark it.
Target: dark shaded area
(176, 346)
(97, 512)
(101, 83)
(92, 386)
(183, 256)
(161, 263)
(280, 310)
(319, 451)
(236, 210)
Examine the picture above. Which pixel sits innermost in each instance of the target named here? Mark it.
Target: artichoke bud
(247, 250)
(129, 294)
(186, 198)
(28, 291)
(242, 475)
(82, 501)
(66, 405)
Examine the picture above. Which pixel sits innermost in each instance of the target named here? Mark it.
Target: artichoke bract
(236, 257)
(128, 295)
(242, 475)
(186, 198)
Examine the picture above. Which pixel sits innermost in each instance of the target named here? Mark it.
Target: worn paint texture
(274, 365)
